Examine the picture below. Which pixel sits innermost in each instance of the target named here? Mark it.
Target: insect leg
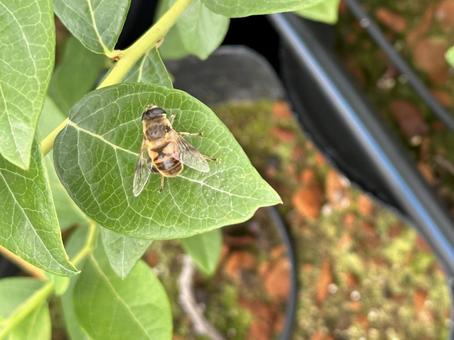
(208, 158)
(191, 134)
(162, 183)
(171, 119)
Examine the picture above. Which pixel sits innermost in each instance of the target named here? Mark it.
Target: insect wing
(142, 172)
(191, 157)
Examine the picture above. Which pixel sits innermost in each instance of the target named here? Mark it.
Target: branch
(88, 245)
(128, 58)
(201, 325)
(24, 265)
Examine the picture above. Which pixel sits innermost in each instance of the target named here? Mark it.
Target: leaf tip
(68, 269)
(19, 159)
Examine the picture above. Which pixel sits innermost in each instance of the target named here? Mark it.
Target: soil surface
(422, 31)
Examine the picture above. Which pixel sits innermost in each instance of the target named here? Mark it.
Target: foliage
(87, 183)
(204, 249)
(25, 68)
(199, 31)
(326, 11)
(450, 56)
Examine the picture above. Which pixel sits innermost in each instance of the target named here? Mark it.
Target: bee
(164, 151)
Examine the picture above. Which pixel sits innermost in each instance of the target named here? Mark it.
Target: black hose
(292, 303)
(413, 79)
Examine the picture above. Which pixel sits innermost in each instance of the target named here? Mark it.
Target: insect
(164, 151)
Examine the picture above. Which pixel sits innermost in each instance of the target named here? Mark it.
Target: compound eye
(157, 111)
(153, 113)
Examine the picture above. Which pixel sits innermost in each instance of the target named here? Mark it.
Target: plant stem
(25, 309)
(128, 58)
(148, 40)
(48, 143)
(24, 265)
(20, 313)
(88, 245)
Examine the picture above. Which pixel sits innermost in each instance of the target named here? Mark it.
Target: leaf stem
(19, 314)
(48, 143)
(24, 265)
(88, 246)
(148, 40)
(129, 57)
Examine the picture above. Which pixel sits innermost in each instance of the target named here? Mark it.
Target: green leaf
(326, 11)
(14, 292)
(150, 70)
(96, 23)
(67, 211)
(35, 326)
(60, 283)
(96, 156)
(243, 8)
(205, 250)
(27, 41)
(123, 252)
(28, 221)
(50, 118)
(75, 75)
(450, 56)
(73, 328)
(111, 308)
(198, 31)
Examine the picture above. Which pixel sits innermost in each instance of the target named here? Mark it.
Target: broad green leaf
(75, 75)
(50, 118)
(205, 250)
(198, 31)
(35, 326)
(73, 328)
(61, 283)
(111, 308)
(150, 70)
(27, 44)
(243, 8)
(96, 23)
(326, 11)
(67, 211)
(96, 156)
(123, 252)
(14, 292)
(450, 56)
(28, 221)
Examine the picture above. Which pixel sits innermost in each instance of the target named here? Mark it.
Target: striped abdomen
(164, 160)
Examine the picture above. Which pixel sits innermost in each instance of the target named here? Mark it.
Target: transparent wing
(142, 172)
(191, 157)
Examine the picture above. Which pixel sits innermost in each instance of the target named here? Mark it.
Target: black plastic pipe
(413, 79)
(386, 154)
